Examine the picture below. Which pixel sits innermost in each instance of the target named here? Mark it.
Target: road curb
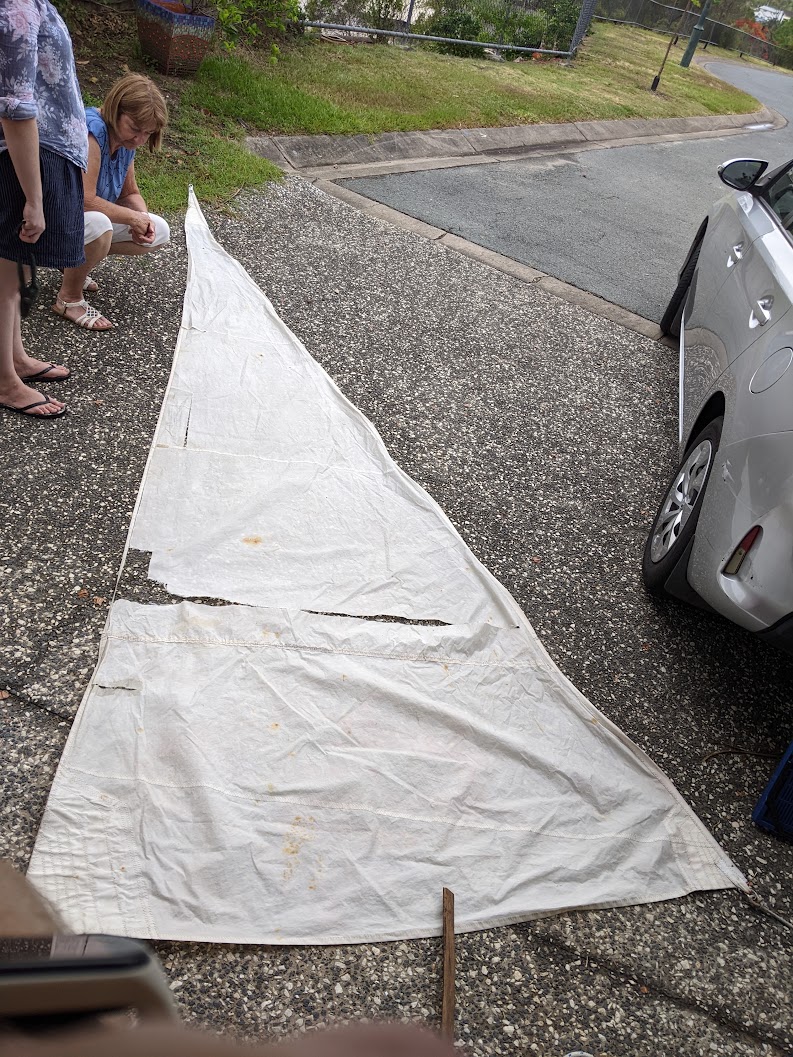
(531, 276)
(346, 157)
(323, 160)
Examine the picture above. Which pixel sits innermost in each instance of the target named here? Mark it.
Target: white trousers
(96, 224)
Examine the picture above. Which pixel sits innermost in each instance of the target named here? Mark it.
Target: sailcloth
(284, 768)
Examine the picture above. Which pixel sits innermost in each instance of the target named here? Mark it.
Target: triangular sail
(284, 769)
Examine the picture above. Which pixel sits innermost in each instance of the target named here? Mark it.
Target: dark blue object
(774, 809)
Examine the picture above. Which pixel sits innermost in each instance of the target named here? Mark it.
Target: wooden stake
(447, 1010)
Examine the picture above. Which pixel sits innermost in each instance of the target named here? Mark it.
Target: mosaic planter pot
(172, 36)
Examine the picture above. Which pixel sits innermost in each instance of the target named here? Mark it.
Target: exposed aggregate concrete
(545, 433)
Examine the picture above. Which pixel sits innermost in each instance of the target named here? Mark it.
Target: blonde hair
(142, 101)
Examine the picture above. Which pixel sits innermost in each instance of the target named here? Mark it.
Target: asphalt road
(615, 222)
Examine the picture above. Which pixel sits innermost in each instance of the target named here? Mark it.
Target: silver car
(723, 535)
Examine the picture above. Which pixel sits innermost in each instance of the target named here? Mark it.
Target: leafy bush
(528, 34)
(562, 16)
(380, 14)
(383, 14)
(782, 34)
(338, 12)
(249, 20)
(550, 24)
(453, 22)
(504, 22)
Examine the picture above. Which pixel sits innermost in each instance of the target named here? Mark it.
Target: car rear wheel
(671, 319)
(676, 521)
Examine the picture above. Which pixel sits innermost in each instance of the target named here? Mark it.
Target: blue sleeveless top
(113, 168)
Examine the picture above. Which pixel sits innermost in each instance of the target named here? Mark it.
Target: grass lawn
(373, 88)
(369, 88)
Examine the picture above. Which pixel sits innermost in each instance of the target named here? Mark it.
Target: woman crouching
(116, 217)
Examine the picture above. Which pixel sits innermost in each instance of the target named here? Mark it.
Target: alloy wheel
(681, 500)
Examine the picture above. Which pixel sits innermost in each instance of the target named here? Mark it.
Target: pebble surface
(546, 434)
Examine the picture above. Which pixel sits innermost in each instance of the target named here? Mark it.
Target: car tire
(675, 522)
(671, 319)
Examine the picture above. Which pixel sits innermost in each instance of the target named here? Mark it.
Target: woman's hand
(32, 223)
(142, 229)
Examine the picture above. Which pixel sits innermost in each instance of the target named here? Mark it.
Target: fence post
(582, 25)
(696, 33)
(410, 14)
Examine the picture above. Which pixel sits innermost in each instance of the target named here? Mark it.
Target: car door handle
(735, 256)
(761, 312)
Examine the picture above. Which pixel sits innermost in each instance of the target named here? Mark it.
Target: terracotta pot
(172, 36)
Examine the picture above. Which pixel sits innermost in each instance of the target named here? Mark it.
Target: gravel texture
(546, 434)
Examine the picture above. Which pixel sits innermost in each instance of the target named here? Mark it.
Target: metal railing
(430, 39)
(514, 27)
(664, 18)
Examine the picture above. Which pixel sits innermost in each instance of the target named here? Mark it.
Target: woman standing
(43, 149)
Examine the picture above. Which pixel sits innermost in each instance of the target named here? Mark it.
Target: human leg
(30, 369)
(14, 393)
(70, 302)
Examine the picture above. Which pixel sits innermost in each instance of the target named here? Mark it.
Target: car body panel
(753, 293)
(736, 360)
(751, 484)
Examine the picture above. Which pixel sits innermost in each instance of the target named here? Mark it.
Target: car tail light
(740, 552)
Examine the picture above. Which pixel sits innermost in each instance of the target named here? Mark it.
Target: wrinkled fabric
(267, 487)
(285, 771)
(251, 775)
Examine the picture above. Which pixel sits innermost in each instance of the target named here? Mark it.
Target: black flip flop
(27, 409)
(40, 374)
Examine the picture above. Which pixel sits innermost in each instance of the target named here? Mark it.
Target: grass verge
(372, 88)
(369, 88)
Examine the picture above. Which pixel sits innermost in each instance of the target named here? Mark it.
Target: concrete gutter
(344, 157)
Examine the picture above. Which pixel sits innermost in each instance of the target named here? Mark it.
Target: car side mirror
(742, 173)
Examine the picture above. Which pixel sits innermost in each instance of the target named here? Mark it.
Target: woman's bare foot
(21, 395)
(30, 370)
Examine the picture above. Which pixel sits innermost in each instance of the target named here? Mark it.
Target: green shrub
(504, 22)
(454, 22)
(249, 20)
(337, 12)
(528, 33)
(382, 14)
(562, 17)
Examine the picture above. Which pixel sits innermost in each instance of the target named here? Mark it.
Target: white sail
(282, 769)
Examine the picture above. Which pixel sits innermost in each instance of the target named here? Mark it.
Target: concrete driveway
(545, 433)
(617, 223)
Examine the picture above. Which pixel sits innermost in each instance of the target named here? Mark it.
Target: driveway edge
(531, 276)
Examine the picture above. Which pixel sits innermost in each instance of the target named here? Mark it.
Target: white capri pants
(96, 224)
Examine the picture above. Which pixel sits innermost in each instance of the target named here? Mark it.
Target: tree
(782, 34)
(729, 11)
